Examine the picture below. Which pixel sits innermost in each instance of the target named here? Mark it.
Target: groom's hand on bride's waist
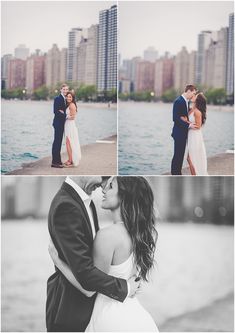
(134, 284)
(193, 126)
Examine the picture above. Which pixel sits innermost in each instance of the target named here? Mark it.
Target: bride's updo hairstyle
(73, 97)
(200, 104)
(137, 213)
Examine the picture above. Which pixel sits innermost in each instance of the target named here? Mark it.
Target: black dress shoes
(57, 165)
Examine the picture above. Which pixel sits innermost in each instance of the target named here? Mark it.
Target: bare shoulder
(72, 107)
(197, 113)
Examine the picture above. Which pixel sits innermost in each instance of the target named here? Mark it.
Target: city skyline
(81, 14)
(150, 24)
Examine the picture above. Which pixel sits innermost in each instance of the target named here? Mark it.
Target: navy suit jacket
(71, 233)
(59, 118)
(180, 128)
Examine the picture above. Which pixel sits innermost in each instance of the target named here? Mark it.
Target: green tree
(169, 95)
(216, 96)
(42, 93)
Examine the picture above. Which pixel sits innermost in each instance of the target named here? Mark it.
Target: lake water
(145, 142)
(27, 132)
(194, 267)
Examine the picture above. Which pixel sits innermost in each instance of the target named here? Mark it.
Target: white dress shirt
(86, 200)
(186, 101)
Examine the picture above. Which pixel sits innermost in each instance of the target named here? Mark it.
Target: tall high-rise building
(35, 72)
(75, 36)
(181, 70)
(86, 67)
(145, 76)
(107, 50)
(204, 40)
(192, 67)
(5, 61)
(151, 54)
(92, 55)
(81, 61)
(164, 70)
(52, 65)
(63, 65)
(21, 52)
(17, 74)
(216, 61)
(230, 58)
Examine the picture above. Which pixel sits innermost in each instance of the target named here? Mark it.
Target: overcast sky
(167, 25)
(39, 24)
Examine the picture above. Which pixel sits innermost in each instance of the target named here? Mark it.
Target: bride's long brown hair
(200, 104)
(73, 98)
(137, 213)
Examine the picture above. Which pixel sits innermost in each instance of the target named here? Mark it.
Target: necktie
(92, 205)
(188, 106)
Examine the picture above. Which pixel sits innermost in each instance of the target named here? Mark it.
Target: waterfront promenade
(99, 158)
(219, 165)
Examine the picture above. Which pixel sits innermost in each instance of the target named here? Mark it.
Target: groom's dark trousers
(67, 309)
(179, 134)
(58, 124)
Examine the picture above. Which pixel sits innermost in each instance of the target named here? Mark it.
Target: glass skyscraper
(107, 50)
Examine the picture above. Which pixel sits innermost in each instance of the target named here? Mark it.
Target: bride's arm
(72, 112)
(65, 270)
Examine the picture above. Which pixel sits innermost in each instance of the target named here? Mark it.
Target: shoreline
(216, 317)
(97, 105)
(221, 164)
(224, 108)
(99, 158)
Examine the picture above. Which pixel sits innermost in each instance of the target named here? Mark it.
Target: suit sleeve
(57, 107)
(177, 113)
(69, 228)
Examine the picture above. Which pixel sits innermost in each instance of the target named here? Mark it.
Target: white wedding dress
(196, 149)
(110, 315)
(71, 131)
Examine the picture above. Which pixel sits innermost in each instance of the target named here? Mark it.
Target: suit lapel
(70, 190)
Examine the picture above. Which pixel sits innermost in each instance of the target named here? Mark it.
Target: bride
(125, 248)
(71, 132)
(196, 152)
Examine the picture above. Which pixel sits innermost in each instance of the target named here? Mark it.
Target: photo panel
(190, 285)
(176, 88)
(59, 88)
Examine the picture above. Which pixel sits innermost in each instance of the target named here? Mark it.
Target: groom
(58, 124)
(72, 224)
(180, 128)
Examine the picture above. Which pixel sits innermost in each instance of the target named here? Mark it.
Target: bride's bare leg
(191, 167)
(69, 150)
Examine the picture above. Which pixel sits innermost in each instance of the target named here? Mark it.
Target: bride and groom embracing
(187, 132)
(65, 110)
(99, 271)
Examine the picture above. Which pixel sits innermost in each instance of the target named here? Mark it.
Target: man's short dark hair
(190, 87)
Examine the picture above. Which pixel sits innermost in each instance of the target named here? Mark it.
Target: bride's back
(122, 243)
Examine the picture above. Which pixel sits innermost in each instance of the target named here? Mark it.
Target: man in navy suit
(180, 128)
(58, 124)
(73, 224)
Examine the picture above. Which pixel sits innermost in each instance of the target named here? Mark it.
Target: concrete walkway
(217, 317)
(218, 165)
(99, 158)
